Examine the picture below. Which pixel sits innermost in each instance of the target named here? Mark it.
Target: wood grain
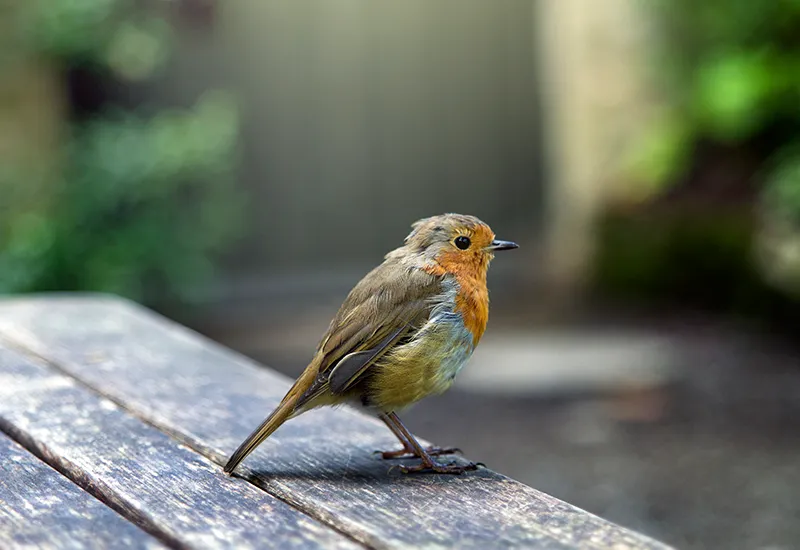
(40, 508)
(167, 489)
(211, 398)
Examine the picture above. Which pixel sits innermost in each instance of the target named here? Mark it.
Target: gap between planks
(104, 494)
(98, 491)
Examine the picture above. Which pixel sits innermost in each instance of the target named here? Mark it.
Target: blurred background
(238, 166)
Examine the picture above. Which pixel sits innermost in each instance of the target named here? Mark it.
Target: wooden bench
(138, 414)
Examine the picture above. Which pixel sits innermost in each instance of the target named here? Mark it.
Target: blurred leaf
(135, 51)
(662, 154)
(782, 188)
(733, 92)
(69, 28)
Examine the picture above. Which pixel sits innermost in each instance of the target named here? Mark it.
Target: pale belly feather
(425, 366)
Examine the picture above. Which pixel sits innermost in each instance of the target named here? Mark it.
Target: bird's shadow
(367, 470)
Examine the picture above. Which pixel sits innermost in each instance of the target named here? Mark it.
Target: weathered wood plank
(169, 490)
(322, 462)
(40, 508)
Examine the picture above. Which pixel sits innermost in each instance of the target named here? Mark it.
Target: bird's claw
(405, 453)
(450, 468)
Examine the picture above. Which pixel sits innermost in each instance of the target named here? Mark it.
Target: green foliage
(107, 33)
(141, 202)
(662, 153)
(731, 72)
(736, 94)
(140, 205)
(67, 28)
(782, 193)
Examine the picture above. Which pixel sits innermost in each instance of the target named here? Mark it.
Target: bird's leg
(428, 464)
(408, 451)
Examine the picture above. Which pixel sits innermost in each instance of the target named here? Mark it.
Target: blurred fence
(363, 117)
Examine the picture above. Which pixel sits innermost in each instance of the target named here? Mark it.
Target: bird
(402, 334)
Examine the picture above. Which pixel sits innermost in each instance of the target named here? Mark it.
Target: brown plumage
(401, 334)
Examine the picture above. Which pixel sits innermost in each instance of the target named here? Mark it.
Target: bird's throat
(472, 297)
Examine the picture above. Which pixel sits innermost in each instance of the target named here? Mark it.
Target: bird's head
(456, 242)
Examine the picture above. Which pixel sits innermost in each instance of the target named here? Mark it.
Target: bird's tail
(291, 405)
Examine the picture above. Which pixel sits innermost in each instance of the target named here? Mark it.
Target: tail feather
(272, 423)
(291, 405)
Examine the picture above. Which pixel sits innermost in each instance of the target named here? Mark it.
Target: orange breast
(472, 301)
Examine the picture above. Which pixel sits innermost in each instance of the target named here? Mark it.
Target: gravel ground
(696, 441)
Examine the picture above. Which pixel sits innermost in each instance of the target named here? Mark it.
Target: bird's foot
(435, 467)
(408, 453)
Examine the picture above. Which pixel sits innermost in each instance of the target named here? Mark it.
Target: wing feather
(351, 366)
(387, 306)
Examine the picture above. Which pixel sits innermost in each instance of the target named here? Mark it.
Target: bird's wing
(347, 371)
(385, 308)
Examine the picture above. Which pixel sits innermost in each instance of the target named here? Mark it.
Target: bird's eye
(462, 242)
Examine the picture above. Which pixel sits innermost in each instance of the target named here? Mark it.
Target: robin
(403, 333)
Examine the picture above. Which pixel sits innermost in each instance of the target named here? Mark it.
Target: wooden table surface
(114, 424)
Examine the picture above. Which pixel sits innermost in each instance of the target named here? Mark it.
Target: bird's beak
(503, 245)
